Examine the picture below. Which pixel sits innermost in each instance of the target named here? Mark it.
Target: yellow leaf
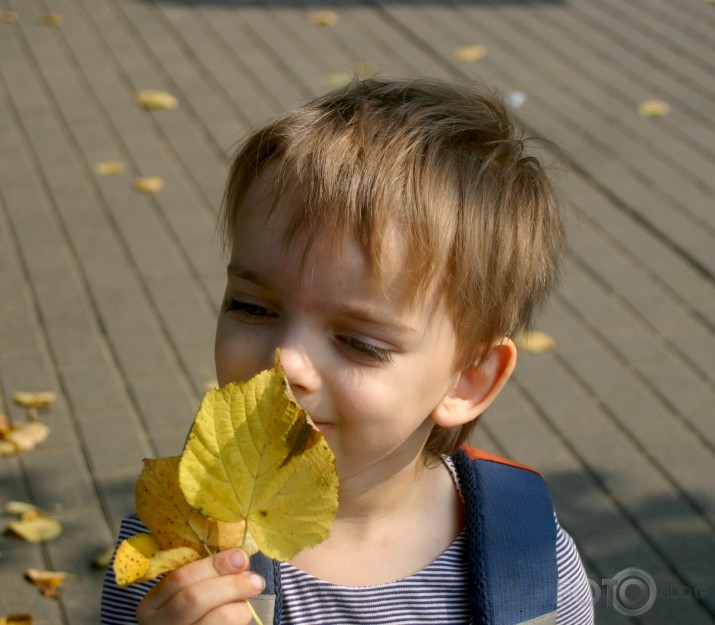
(469, 54)
(22, 509)
(48, 582)
(34, 400)
(335, 80)
(109, 168)
(653, 108)
(154, 99)
(132, 558)
(139, 559)
(148, 184)
(27, 436)
(5, 426)
(168, 560)
(162, 507)
(534, 341)
(39, 529)
(254, 455)
(323, 18)
(16, 619)
(50, 19)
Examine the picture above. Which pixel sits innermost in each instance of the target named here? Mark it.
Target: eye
(249, 312)
(365, 351)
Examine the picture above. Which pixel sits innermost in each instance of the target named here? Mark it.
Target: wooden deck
(108, 296)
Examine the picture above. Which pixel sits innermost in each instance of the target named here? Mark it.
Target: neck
(388, 530)
(368, 500)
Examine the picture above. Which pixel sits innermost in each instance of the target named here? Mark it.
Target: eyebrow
(367, 316)
(236, 270)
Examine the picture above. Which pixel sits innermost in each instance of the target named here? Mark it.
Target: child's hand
(206, 592)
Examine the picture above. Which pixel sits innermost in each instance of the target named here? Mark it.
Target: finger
(192, 603)
(223, 563)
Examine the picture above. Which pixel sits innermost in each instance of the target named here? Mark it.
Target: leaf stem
(253, 612)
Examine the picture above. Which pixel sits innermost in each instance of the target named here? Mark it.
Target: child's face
(364, 361)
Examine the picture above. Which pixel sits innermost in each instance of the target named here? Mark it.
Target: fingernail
(237, 559)
(257, 582)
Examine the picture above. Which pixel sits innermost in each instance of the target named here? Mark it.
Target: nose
(297, 353)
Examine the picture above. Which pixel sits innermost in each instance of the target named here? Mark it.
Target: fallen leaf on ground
(103, 558)
(17, 437)
(16, 619)
(334, 80)
(534, 341)
(149, 184)
(48, 582)
(155, 99)
(10, 17)
(34, 525)
(653, 108)
(21, 508)
(109, 168)
(254, 456)
(34, 401)
(469, 54)
(323, 18)
(26, 436)
(50, 19)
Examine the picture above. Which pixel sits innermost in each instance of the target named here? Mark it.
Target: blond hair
(446, 165)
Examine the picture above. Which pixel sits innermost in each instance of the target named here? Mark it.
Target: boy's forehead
(275, 201)
(389, 273)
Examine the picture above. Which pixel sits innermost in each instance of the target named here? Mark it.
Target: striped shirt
(436, 594)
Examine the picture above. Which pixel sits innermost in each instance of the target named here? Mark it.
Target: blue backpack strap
(268, 604)
(511, 541)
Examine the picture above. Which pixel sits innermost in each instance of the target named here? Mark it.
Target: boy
(389, 237)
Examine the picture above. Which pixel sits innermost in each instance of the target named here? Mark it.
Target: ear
(477, 386)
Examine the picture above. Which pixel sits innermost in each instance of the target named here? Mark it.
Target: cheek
(222, 356)
(230, 354)
(240, 352)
